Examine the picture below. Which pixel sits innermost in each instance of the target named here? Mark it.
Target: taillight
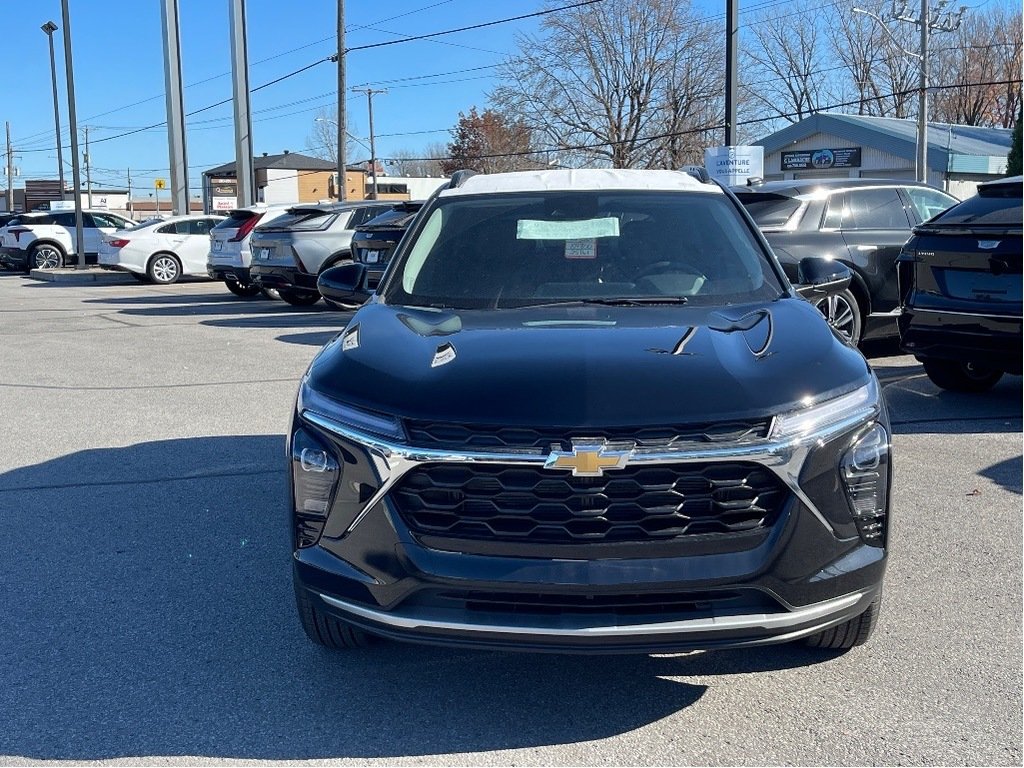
(247, 227)
(17, 231)
(117, 243)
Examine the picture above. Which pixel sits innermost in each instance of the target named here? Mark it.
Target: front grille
(539, 506)
(426, 434)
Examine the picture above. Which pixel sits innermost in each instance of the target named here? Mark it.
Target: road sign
(160, 184)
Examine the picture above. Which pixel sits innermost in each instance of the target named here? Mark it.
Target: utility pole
(73, 126)
(732, 39)
(131, 214)
(175, 98)
(240, 90)
(10, 172)
(342, 162)
(88, 168)
(939, 21)
(49, 28)
(373, 146)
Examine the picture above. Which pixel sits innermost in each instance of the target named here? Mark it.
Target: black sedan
(375, 241)
(960, 282)
(861, 222)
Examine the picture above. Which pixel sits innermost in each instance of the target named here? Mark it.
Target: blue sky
(119, 61)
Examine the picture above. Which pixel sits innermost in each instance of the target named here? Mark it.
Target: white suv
(230, 256)
(46, 239)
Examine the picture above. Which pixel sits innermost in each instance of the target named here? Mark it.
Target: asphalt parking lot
(146, 608)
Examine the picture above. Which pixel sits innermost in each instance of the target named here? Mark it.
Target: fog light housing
(315, 475)
(865, 471)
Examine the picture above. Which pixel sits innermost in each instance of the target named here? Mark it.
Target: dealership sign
(734, 165)
(818, 159)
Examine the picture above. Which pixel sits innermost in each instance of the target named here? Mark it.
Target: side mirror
(822, 277)
(345, 284)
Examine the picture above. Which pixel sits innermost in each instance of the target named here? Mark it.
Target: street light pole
(373, 146)
(49, 28)
(73, 125)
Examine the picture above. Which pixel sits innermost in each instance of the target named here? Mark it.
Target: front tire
(45, 256)
(842, 313)
(298, 298)
(323, 628)
(245, 290)
(164, 269)
(961, 377)
(850, 633)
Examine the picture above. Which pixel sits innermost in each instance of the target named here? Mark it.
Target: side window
(928, 202)
(67, 219)
(834, 211)
(874, 209)
(362, 215)
(199, 227)
(167, 229)
(102, 220)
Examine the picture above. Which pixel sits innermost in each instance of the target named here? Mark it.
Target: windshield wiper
(616, 301)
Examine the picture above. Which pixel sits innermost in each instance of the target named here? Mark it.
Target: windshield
(981, 212)
(494, 251)
(769, 211)
(399, 218)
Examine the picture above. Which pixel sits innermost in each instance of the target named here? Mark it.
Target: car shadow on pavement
(315, 339)
(1006, 474)
(148, 612)
(916, 406)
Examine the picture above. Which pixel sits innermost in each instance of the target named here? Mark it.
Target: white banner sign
(224, 203)
(734, 165)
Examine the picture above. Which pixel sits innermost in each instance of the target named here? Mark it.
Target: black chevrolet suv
(586, 411)
(862, 223)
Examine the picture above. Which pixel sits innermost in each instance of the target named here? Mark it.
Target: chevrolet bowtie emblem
(590, 458)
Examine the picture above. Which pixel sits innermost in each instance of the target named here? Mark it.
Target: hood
(585, 366)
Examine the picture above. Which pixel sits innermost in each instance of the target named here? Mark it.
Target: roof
(288, 161)
(970, 147)
(806, 186)
(603, 179)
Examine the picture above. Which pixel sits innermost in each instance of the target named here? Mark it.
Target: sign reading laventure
(734, 165)
(844, 157)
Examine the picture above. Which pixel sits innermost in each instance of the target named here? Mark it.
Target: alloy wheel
(840, 315)
(165, 269)
(46, 257)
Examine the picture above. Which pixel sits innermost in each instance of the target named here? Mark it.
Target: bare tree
(424, 162)
(595, 77)
(783, 62)
(884, 74)
(985, 49)
(322, 140)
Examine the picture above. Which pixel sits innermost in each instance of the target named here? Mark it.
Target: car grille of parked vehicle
(530, 505)
(426, 434)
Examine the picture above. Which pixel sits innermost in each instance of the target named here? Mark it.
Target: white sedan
(160, 251)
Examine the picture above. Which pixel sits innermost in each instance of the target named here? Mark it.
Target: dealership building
(829, 145)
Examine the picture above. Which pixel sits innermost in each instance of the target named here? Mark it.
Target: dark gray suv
(861, 222)
(289, 252)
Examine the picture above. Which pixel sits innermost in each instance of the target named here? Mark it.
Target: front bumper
(13, 258)
(284, 276)
(983, 339)
(808, 570)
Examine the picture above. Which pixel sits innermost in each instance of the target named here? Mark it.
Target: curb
(65, 275)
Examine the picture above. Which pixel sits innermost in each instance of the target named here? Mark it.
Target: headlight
(859, 405)
(315, 475)
(327, 412)
(865, 472)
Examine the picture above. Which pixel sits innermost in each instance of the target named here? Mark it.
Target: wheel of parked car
(850, 633)
(164, 269)
(45, 256)
(245, 290)
(843, 314)
(324, 629)
(298, 298)
(271, 293)
(961, 377)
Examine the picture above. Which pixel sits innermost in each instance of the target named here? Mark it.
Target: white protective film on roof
(605, 179)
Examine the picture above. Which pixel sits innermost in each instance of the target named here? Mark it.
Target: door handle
(867, 247)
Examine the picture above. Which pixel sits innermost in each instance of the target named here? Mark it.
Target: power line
(704, 129)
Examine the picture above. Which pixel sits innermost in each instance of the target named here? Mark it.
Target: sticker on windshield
(535, 229)
(585, 248)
